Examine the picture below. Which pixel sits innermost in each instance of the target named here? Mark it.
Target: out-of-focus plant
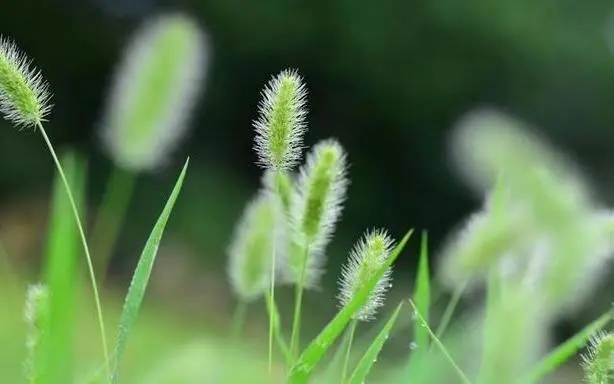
(149, 108)
(539, 237)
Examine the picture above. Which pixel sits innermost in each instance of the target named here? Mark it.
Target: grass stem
(238, 320)
(449, 311)
(295, 338)
(348, 350)
(85, 247)
(271, 319)
(111, 215)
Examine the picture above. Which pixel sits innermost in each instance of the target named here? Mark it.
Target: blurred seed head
(487, 144)
(485, 240)
(598, 362)
(367, 256)
(281, 125)
(548, 236)
(316, 207)
(156, 87)
(24, 94)
(35, 316)
(591, 267)
(257, 236)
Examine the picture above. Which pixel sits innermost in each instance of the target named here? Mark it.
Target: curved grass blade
(141, 275)
(567, 350)
(368, 359)
(439, 345)
(60, 273)
(306, 363)
(111, 216)
(449, 311)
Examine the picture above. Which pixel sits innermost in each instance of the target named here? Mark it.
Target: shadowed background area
(387, 79)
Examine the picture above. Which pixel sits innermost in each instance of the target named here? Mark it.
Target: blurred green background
(387, 78)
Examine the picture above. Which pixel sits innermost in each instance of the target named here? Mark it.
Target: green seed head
(281, 125)
(481, 244)
(368, 255)
(598, 363)
(156, 87)
(35, 316)
(255, 239)
(24, 95)
(487, 143)
(316, 207)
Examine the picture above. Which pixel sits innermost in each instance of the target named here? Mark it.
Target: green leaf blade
(422, 295)
(568, 349)
(370, 356)
(141, 275)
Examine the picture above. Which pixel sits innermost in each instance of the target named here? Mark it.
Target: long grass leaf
(422, 299)
(440, 346)
(141, 275)
(368, 359)
(306, 363)
(422, 295)
(567, 350)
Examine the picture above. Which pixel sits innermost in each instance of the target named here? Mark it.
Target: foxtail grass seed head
(24, 94)
(598, 362)
(154, 92)
(480, 244)
(257, 235)
(368, 255)
(594, 251)
(281, 125)
(316, 207)
(486, 143)
(35, 314)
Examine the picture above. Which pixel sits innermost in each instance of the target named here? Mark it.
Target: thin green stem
(272, 298)
(449, 311)
(238, 320)
(296, 322)
(85, 247)
(111, 215)
(348, 350)
(439, 345)
(279, 338)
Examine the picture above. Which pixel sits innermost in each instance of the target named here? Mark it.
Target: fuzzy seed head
(281, 125)
(156, 87)
(35, 313)
(599, 361)
(316, 207)
(479, 244)
(24, 94)
(486, 143)
(256, 237)
(368, 255)
(321, 191)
